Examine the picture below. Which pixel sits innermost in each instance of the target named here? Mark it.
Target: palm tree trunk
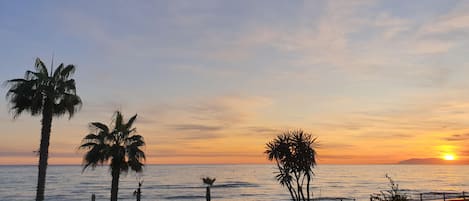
(139, 193)
(300, 187)
(293, 197)
(292, 192)
(44, 151)
(207, 195)
(302, 194)
(307, 185)
(115, 183)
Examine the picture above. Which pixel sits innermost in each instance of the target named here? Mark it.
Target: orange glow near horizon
(449, 157)
(322, 159)
(448, 152)
(234, 146)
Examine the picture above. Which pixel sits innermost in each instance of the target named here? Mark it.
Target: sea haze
(234, 182)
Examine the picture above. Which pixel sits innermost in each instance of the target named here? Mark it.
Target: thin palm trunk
(300, 188)
(297, 188)
(207, 195)
(44, 151)
(115, 184)
(307, 185)
(293, 197)
(302, 194)
(292, 192)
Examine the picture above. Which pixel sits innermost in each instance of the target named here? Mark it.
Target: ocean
(233, 182)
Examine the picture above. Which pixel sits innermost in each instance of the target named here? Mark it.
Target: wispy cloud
(465, 153)
(222, 154)
(227, 110)
(262, 129)
(195, 127)
(456, 20)
(17, 154)
(458, 137)
(218, 117)
(334, 145)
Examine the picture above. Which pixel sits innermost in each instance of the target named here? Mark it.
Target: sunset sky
(213, 81)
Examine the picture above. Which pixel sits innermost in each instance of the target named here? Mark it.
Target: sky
(213, 81)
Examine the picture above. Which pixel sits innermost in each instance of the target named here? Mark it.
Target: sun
(449, 157)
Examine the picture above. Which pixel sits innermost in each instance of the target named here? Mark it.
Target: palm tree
(49, 95)
(209, 182)
(295, 157)
(121, 146)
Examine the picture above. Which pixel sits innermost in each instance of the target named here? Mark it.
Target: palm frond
(58, 71)
(118, 120)
(208, 181)
(41, 67)
(38, 88)
(100, 126)
(131, 121)
(114, 144)
(68, 71)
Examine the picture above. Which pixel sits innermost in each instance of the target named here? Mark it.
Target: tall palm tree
(295, 157)
(49, 95)
(121, 145)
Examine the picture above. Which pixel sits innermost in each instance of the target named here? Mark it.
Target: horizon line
(182, 164)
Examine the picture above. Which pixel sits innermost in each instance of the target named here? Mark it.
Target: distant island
(436, 161)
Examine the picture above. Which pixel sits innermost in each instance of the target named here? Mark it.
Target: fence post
(464, 195)
(421, 196)
(444, 196)
(93, 197)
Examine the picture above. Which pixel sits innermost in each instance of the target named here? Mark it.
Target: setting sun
(449, 157)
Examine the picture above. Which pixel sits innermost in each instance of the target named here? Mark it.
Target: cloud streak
(458, 137)
(195, 127)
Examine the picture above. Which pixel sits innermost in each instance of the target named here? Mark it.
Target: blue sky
(235, 73)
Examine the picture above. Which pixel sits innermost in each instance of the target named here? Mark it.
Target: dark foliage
(119, 145)
(295, 156)
(49, 95)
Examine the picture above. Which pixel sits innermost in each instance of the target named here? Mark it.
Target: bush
(394, 194)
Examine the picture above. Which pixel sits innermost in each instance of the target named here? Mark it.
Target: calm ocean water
(234, 182)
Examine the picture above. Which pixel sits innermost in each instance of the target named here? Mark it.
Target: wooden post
(93, 197)
(421, 196)
(464, 195)
(444, 196)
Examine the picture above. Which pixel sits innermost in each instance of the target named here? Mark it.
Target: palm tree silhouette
(295, 157)
(209, 182)
(49, 95)
(121, 146)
